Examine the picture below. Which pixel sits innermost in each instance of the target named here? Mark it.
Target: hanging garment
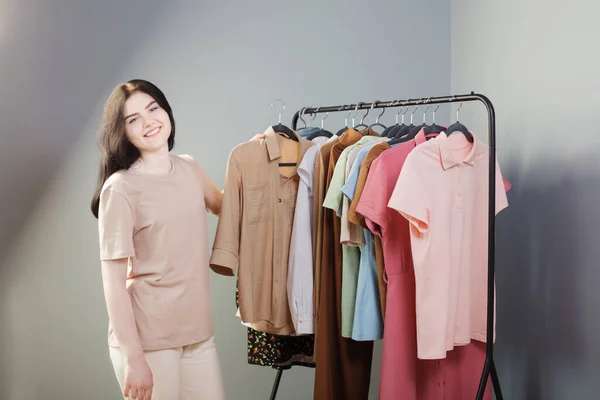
(350, 254)
(368, 316)
(352, 233)
(403, 375)
(357, 220)
(306, 131)
(254, 230)
(300, 284)
(319, 191)
(442, 191)
(368, 320)
(278, 351)
(343, 368)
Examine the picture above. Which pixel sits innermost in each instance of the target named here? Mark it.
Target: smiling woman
(122, 126)
(151, 207)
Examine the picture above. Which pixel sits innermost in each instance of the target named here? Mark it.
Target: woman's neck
(154, 163)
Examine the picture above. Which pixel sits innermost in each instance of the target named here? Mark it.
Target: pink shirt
(403, 375)
(442, 191)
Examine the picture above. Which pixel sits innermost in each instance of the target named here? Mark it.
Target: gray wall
(221, 64)
(538, 62)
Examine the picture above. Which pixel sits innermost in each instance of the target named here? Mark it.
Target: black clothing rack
(489, 368)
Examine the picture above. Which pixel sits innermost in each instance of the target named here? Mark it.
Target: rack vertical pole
(276, 384)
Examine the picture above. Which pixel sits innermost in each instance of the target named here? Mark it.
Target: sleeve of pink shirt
(502, 186)
(410, 198)
(373, 201)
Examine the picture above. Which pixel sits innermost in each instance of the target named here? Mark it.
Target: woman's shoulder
(190, 161)
(117, 182)
(188, 158)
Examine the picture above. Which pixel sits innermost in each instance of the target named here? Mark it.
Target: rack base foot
(489, 370)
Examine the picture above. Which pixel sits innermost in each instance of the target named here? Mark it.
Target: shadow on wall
(547, 279)
(58, 64)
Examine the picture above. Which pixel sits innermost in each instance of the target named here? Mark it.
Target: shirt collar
(420, 137)
(351, 135)
(447, 157)
(272, 141)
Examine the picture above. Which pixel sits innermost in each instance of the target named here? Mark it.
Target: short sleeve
(372, 204)
(115, 226)
(410, 197)
(502, 186)
(350, 186)
(333, 198)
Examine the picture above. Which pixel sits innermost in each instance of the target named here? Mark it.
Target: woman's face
(147, 124)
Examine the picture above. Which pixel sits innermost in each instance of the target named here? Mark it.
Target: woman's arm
(120, 310)
(138, 376)
(213, 196)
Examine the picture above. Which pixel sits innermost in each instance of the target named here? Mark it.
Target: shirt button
(279, 200)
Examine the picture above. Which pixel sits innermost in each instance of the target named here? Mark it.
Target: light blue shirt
(368, 321)
(350, 186)
(305, 132)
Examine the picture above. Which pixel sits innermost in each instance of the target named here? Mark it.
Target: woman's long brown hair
(116, 152)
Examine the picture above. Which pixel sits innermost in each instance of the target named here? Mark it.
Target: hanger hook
(367, 113)
(412, 114)
(314, 116)
(375, 103)
(356, 111)
(283, 109)
(434, 111)
(347, 116)
(425, 113)
(300, 115)
(324, 118)
(459, 107)
(394, 104)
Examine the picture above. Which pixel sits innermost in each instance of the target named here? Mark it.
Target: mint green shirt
(350, 254)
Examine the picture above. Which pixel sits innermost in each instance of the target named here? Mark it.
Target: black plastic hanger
(377, 120)
(284, 131)
(407, 128)
(345, 128)
(458, 127)
(341, 131)
(415, 131)
(321, 132)
(361, 125)
(433, 128)
(399, 139)
(388, 132)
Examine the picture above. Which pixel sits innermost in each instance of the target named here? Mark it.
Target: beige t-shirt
(160, 222)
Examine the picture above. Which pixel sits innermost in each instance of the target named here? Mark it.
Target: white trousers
(183, 373)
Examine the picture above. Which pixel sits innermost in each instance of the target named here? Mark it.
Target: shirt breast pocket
(256, 202)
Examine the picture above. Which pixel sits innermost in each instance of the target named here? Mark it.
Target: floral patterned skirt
(278, 351)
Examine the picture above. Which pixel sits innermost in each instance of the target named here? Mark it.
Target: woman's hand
(138, 379)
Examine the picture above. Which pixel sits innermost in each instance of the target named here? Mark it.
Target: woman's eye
(153, 109)
(132, 120)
